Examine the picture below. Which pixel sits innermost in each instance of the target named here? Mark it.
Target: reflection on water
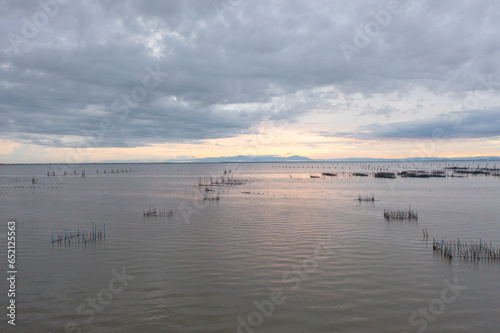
(282, 252)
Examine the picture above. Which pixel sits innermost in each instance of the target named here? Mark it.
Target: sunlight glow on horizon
(282, 143)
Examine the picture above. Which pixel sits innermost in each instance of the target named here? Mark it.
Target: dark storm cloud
(61, 79)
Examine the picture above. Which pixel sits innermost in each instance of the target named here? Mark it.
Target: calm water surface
(329, 262)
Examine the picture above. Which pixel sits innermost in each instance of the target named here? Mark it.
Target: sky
(97, 81)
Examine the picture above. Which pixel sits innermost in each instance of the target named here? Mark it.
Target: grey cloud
(385, 110)
(470, 124)
(65, 78)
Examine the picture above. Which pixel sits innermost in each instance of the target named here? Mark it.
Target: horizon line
(204, 160)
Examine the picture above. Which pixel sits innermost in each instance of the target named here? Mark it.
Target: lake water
(281, 253)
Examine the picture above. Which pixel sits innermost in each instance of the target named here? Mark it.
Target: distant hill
(260, 158)
(297, 158)
(290, 159)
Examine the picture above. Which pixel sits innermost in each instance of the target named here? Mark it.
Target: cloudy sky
(152, 81)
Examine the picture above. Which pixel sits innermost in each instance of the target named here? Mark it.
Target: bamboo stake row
(83, 174)
(76, 237)
(366, 198)
(401, 214)
(152, 212)
(466, 250)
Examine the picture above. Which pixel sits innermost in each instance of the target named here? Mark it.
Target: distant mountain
(291, 159)
(415, 159)
(260, 158)
(475, 158)
(297, 158)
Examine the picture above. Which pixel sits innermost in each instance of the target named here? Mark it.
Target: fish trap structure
(366, 198)
(409, 214)
(466, 250)
(214, 196)
(472, 171)
(422, 174)
(227, 179)
(77, 237)
(389, 175)
(152, 212)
